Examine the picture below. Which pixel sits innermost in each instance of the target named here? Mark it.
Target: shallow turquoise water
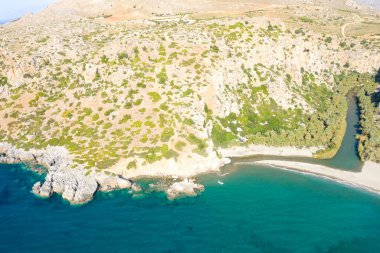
(258, 209)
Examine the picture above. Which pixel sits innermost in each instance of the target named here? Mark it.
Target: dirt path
(359, 20)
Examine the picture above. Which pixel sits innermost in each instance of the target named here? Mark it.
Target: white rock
(46, 189)
(187, 187)
(36, 188)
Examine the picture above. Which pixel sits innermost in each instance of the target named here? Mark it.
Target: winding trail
(359, 20)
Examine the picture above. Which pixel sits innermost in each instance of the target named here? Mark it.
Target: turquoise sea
(257, 209)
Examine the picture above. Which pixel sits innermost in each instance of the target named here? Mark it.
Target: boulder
(109, 182)
(36, 188)
(46, 190)
(187, 187)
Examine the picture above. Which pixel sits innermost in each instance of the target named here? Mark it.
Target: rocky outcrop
(78, 187)
(187, 187)
(45, 191)
(73, 184)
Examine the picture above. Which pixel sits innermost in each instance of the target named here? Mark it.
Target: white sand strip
(368, 178)
(240, 151)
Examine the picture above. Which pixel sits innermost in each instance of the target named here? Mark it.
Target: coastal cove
(346, 159)
(190, 126)
(267, 210)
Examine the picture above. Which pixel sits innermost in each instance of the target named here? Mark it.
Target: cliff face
(160, 94)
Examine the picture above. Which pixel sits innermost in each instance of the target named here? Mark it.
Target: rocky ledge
(63, 176)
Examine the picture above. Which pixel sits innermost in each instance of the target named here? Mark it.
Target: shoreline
(368, 179)
(77, 187)
(256, 150)
(73, 183)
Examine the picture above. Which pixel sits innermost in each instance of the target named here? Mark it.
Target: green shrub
(67, 114)
(95, 117)
(154, 96)
(306, 20)
(180, 145)
(199, 143)
(104, 59)
(162, 77)
(220, 137)
(87, 111)
(214, 49)
(149, 124)
(125, 119)
(168, 153)
(166, 134)
(328, 40)
(131, 165)
(137, 124)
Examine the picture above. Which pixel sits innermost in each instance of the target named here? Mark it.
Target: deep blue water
(258, 209)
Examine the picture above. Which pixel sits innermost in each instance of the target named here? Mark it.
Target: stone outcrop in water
(74, 184)
(187, 187)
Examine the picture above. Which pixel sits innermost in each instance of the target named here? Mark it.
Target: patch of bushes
(154, 96)
(166, 134)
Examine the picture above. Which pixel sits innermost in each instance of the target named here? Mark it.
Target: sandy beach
(368, 178)
(251, 150)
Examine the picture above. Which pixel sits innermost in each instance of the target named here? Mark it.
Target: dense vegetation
(272, 125)
(369, 139)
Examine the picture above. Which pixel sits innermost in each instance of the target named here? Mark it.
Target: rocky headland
(72, 183)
